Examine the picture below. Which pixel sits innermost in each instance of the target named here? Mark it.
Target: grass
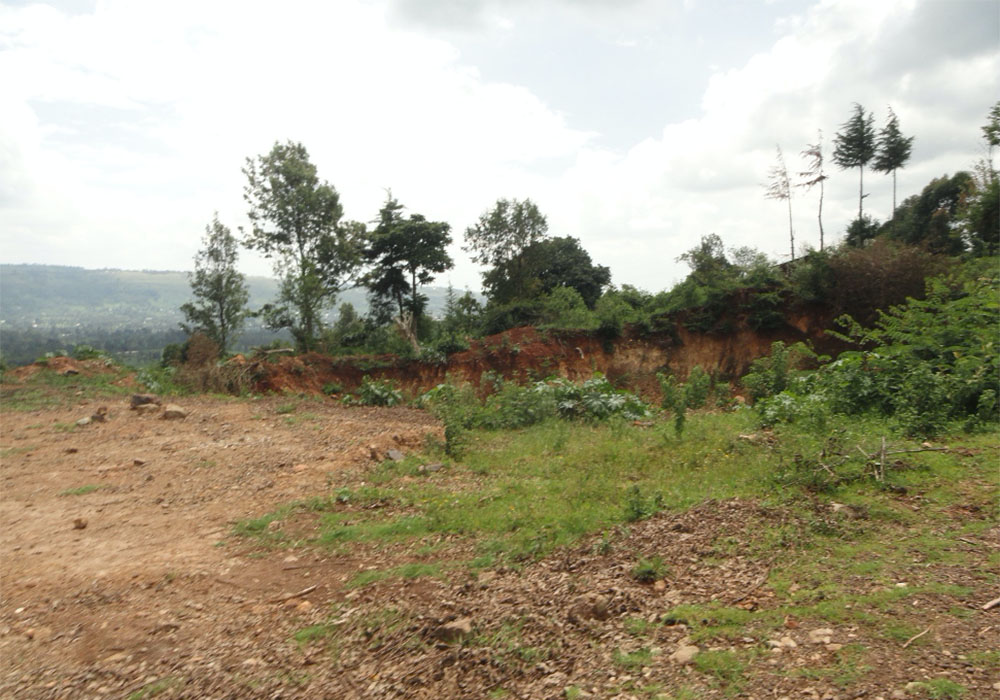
(151, 690)
(80, 490)
(48, 389)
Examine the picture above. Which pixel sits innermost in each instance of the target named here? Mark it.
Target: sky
(636, 126)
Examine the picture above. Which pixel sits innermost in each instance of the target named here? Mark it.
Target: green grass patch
(80, 490)
(726, 667)
(633, 660)
(151, 690)
(404, 571)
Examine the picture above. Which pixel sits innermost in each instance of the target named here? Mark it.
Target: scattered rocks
(79, 523)
(454, 631)
(174, 412)
(144, 400)
(684, 654)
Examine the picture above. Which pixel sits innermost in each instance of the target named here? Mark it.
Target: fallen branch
(916, 637)
(992, 604)
(304, 591)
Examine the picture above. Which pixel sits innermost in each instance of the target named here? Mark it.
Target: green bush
(378, 392)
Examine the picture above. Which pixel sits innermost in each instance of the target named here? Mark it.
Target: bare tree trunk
(861, 190)
(403, 324)
(821, 215)
(791, 230)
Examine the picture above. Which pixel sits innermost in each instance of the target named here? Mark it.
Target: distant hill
(46, 308)
(55, 295)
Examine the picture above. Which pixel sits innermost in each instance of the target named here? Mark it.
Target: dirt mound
(63, 365)
(525, 354)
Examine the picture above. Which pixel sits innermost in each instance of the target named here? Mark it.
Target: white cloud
(122, 130)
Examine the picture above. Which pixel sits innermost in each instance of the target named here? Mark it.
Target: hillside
(131, 313)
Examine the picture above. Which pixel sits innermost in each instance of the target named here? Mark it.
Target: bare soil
(138, 589)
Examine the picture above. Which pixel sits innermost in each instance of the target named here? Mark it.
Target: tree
(854, 147)
(296, 222)
(544, 266)
(893, 152)
(991, 132)
(500, 236)
(220, 307)
(813, 175)
(779, 186)
(931, 219)
(404, 254)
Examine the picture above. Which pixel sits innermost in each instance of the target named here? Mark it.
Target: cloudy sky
(637, 126)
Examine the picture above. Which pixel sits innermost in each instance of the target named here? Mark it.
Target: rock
(897, 694)
(147, 408)
(589, 606)
(430, 468)
(454, 631)
(71, 450)
(685, 654)
(100, 415)
(79, 523)
(69, 372)
(144, 400)
(138, 462)
(395, 455)
(84, 421)
(821, 635)
(913, 685)
(298, 468)
(660, 586)
(304, 606)
(787, 642)
(173, 412)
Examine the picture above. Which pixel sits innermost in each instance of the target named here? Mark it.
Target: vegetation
(854, 147)
(221, 294)
(296, 221)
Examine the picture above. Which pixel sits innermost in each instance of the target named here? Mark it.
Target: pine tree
(893, 152)
(854, 147)
(814, 175)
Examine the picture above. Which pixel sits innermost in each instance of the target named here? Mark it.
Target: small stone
(996, 686)
(589, 606)
(143, 400)
(788, 642)
(298, 468)
(72, 450)
(901, 584)
(173, 412)
(69, 372)
(138, 462)
(454, 631)
(430, 468)
(913, 685)
(304, 606)
(821, 635)
(395, 455)
(685, 654)
(147, 408)
(834, 647)
(897, 694)
(100, 415)
(79, 523)
(660, 586)
(83, 421)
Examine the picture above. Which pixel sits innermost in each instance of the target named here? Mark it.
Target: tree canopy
(220, 307)
(893, 151)
(854, 146)
(296, 222)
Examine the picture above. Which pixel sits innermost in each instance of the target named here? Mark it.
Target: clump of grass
(633, 659)
(648, 570)
(80, 490)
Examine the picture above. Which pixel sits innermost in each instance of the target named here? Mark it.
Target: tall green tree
(854, 147)
(403, 254)
(779, 186)
(220, 290)
(296, 223)
(544, 266)
(931, 219)
(991, 132)
(500, 236)
(813, 175)
(980, 211)
(893, 150)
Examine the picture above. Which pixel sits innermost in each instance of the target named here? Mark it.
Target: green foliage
(639, 507)
(563, 307)
(648, 570)
(925, 363)
(378, 392)
(862, 231)
(404, 254)
(893, 150)
(932, 218)
(500, 237)
(296, 220)
(854, 146)
(221, 294)
(697, 388)
(543, 267)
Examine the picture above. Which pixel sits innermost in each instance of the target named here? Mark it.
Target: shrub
(378, 392)
(648, 570)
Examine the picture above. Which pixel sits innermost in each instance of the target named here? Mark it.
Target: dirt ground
(137, 588)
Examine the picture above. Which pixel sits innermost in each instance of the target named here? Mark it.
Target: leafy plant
(378, 392)
(648, 570)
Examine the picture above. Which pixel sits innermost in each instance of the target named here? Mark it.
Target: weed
(80, 490)
(285, 409)
(725, 666)
(634, 659)
(648, 570)
(941, 689)
(151, 690)
(638, 507)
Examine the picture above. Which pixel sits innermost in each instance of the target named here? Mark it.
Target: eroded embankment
(631, 360)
